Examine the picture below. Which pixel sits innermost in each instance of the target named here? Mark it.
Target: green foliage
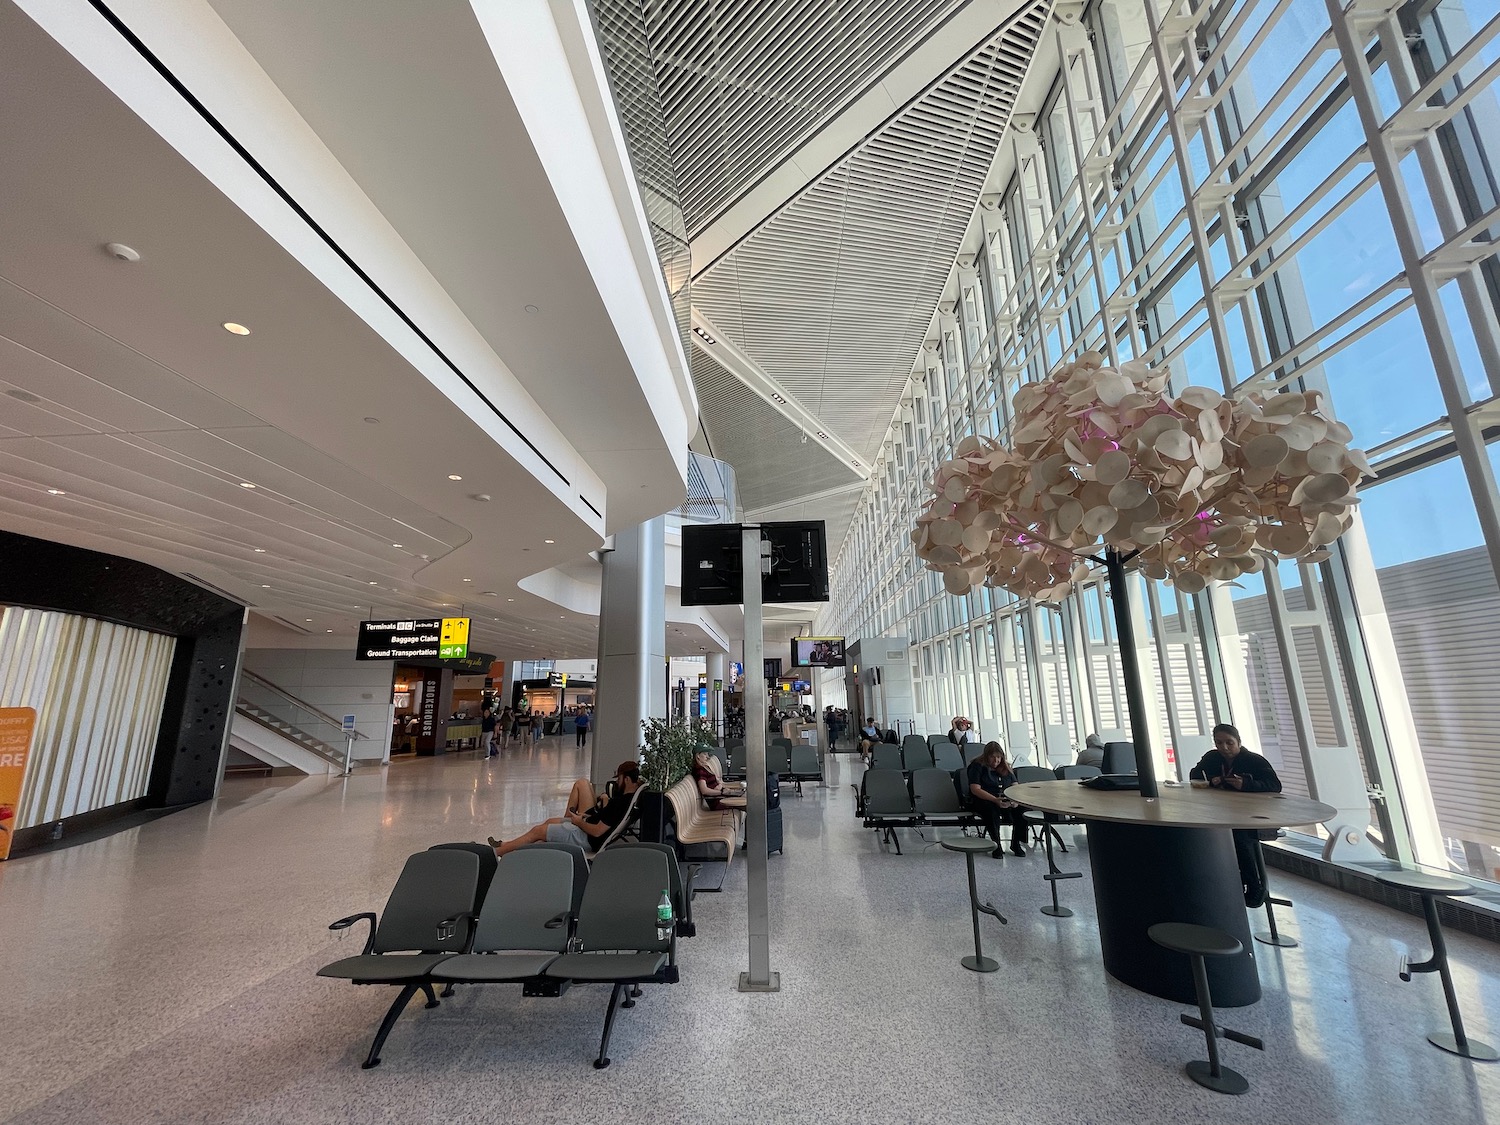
(667, 753)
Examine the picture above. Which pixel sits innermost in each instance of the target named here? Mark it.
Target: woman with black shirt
(989, 775)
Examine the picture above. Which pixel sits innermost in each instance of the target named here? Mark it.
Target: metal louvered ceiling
(742, 82)
(837, 512)
(773, 464)
(833, 295)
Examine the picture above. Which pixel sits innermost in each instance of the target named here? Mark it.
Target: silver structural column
(760, 978)
(717, 667)
(632, 644)
(819, 744)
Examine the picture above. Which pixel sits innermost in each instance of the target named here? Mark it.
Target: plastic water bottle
(664, 917)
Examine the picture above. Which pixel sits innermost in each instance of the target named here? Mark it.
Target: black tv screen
(797, 554)
(818, 652)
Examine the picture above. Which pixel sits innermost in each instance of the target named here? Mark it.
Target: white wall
(98, 690)
(337, 684)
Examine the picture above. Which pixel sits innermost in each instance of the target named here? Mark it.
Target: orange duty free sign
(16, 726)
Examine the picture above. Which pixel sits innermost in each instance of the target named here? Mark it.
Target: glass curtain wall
(1278, 195)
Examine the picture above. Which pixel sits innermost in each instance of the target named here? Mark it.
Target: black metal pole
(1135, 704)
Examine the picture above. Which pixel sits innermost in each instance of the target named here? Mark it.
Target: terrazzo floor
(166, 974)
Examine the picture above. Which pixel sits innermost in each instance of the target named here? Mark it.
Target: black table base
(1144, 874)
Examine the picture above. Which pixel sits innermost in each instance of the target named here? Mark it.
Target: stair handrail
(246, 674)
(317, 747)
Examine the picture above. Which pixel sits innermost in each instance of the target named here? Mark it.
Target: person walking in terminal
(487, 733)
(536, 726)
(989, 775)
(581, 724)
(1229, 766)
(583, 822)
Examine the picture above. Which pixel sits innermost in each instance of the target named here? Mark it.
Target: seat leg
(1213, 1075)
(432, 1000)
(635, 990)
(447, 992)
(609, 1022)
(391, 1015)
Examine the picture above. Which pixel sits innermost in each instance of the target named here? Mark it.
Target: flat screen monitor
(817, 652)
(795, 563)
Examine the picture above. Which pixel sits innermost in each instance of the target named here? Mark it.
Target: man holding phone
(1229, 766)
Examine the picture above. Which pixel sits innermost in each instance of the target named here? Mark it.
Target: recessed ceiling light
(56, 492)
(308, 620)
(265, 586)
(246, 484)
(372, 420)
(328, 630)
(374, 583)
(260, 550)
(510, 599)
(236, 329)
(468, 579)
(822, 435)
(531, 308)
(454, 476)
(778, 398)
(395, 544)
(549, 540)
(488, 594)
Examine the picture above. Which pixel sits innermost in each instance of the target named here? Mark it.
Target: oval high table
(1170, 859)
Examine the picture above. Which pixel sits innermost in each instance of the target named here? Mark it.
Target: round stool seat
(1187, 938)
(968, 844)
(1424, 882)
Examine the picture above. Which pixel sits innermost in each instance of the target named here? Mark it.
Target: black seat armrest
(449, 926)
(559, 921)
(364, 916)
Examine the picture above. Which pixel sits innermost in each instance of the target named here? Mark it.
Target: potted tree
(667, 751)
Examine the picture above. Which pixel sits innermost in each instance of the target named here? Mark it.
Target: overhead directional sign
(453, 638)
(431, 638)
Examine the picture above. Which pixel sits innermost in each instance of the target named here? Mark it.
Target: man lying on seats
(584, 822)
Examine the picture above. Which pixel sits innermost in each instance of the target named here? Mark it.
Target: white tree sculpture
(1105, 466)
(1192, 489)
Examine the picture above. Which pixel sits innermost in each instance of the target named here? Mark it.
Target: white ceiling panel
(741, 83)
(772, 463)
(833, 295)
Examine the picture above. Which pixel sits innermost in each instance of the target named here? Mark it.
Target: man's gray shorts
(566, 833)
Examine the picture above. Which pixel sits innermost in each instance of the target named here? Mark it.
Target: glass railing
(271, 703)
(711, 496)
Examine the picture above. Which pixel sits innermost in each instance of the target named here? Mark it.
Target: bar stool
(1054, 873)
(969, 845)
(1199, 942)
(1430, 888)
(1273, 936)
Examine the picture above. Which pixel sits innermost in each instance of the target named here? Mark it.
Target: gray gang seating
(532, 926)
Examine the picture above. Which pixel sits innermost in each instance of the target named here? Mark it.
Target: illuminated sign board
(433, 638)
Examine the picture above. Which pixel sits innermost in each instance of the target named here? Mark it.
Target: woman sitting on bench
(583, 822)
(710, 786)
